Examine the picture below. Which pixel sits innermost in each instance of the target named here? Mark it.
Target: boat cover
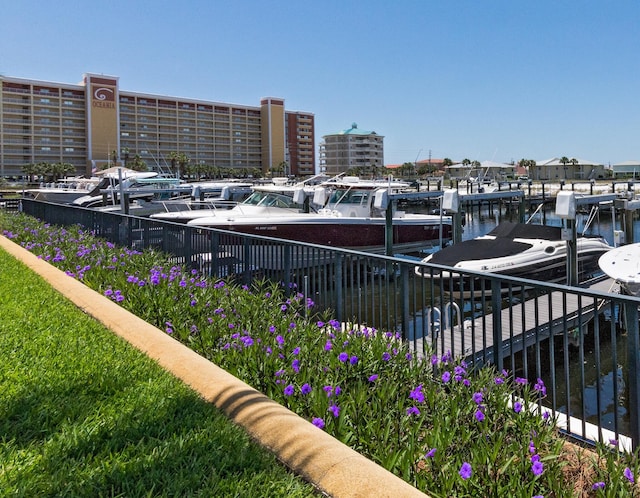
(503, 245)
(478, 249)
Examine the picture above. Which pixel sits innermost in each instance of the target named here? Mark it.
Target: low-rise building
(349, 149)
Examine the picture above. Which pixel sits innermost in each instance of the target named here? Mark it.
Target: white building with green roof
(351, 148)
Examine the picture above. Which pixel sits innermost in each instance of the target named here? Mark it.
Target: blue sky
(478, 79)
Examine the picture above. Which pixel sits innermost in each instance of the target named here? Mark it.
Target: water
(581, 394)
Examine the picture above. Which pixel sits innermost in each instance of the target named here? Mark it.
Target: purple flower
(517, 407)
(477, 398)
(520, 380)
(289, 390)
(318, 422)
(446, 377)
(280, 339)
(417, 394)
(598, 485)
(335, 410)
(305, 389)
(386, 356)
(328, 346)
(465, 471)
(343, 357)
(413, 410)
(373, 378)
(295, 365)
(537, 468)
(320, 324)
(296, 351)
(629, 474)
(539, 386)
(283, 307)
(353, 360)
(328, 390)
(430, 453)
(479, 415)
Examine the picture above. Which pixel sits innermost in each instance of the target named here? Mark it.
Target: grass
(84, 414)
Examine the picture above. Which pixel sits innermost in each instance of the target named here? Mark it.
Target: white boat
(340, 212)
(205, 200)
(623, 265)
(136, 184)
(63, 191)
(536, 252)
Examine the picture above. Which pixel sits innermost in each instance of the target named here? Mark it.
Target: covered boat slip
(516, 327)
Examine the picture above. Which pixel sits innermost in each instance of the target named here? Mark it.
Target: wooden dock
(521, 325)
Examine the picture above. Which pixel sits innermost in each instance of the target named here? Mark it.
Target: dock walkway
(521, 324)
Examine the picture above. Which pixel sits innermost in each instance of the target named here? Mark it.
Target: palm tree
(30, 170)
(564, 160)
(529, 165)
(574, 162)
(125, 154)
(138, 164)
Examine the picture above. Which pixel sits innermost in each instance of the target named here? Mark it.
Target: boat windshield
(271, 199)
(349, 196)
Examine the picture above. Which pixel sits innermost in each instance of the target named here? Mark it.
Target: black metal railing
(582, 342)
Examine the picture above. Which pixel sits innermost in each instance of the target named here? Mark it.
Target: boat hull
(367, 236)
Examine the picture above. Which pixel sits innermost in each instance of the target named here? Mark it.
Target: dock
(521, 324)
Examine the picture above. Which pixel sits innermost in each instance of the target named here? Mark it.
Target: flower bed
(444, 429)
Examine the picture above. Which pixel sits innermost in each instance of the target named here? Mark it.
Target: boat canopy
(477, 249)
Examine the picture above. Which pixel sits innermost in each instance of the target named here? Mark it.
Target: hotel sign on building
(102, 117)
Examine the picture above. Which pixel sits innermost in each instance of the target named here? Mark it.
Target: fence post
(338, 305)
(286, 249)
(633, 362)
(248, 262)
(214, 263)
(496, 314)
(406, 318)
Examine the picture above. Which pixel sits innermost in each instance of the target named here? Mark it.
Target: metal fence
(583, 342)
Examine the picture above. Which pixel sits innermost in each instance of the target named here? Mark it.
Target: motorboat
(206, 199)
(64, 191)
(536, 252)
(145, 185)
(623, 265)
(340, 212)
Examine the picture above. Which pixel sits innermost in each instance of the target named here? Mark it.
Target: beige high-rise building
(94, 123)
(351, 148)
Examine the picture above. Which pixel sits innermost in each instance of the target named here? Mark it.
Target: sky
(497, 80)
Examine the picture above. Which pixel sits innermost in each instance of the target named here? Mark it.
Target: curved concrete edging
(333, 467)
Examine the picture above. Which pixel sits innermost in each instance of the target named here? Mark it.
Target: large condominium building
(94, 123)
(352, 148)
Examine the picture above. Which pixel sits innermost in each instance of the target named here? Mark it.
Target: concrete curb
(333, 467)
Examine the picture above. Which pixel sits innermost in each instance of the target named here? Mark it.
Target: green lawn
(82, 413)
